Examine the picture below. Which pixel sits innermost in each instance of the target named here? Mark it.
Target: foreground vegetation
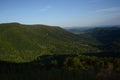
(63, 67)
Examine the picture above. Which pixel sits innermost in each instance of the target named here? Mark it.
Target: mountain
(35, 51)
(24, 43)
(107, 37)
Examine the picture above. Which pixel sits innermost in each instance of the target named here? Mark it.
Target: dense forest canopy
(24, 43)
(38, 51)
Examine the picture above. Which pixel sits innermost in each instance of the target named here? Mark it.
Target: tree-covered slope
(109, 37)
(22, 43)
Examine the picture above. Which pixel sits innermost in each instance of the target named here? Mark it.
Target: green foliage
(23, 43)
(63, 67)
(108, 37)
(52, 53)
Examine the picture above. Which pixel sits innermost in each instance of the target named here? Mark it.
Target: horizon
(63, 13)
(63, 27)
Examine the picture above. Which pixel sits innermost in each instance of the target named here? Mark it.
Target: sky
(64, 13)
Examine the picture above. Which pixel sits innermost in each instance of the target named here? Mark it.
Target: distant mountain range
(78, 30)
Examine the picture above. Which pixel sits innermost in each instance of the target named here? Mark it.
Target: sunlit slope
(21, 43)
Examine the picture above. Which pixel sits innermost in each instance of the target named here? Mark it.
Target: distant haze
(64, 13)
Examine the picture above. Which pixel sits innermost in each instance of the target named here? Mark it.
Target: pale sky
(64, 13)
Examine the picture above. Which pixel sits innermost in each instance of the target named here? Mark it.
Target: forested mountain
(21, 43)
(107, 37)
(41, 52)
(24, 43)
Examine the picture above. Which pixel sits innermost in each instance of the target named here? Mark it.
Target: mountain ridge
(21, 43)
(108, 37)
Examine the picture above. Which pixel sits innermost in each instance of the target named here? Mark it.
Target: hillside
(108, 37)
(52, 53)
(23, 43)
